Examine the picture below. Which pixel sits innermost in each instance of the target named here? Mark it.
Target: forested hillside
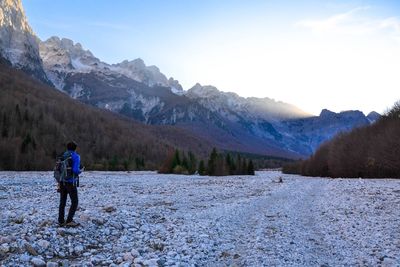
(36, 121)
(371, 151)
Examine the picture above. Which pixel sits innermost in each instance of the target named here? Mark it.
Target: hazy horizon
(338, 55)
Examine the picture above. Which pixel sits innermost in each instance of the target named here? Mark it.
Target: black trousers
(72, 191)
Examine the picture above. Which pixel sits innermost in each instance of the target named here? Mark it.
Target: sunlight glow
(344, 62)
(313, 54)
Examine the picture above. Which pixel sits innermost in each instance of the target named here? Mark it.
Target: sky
(339, 55)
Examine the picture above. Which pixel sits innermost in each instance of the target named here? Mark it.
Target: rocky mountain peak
(63, 56)
(12, 15)
(136, 64)
(373, 116)
(205, 91)
(150, 75)
(18, 44)
(56, 51)
(326, 113)
(176, 87)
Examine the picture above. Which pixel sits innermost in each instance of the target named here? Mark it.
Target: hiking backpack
(63, 167)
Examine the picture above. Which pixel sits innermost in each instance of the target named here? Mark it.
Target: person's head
(71, 146)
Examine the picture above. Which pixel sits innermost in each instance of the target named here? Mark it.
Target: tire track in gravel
(279, 228)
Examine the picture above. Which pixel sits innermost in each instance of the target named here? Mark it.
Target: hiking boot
(72, 224)
(61, 224)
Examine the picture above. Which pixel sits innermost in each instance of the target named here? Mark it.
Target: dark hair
(72, 146)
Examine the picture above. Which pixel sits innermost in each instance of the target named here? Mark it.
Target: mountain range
(145, 94)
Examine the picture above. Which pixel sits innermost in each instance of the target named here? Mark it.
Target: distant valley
(143, 93)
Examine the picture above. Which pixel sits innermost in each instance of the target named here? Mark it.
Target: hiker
(69, 186)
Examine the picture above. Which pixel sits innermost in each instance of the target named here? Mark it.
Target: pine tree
(221, 167)
(185, 162)
(176, 159)
(230, 164)
(212, 162)
(239, 165)
(243, 169)
(250, 168)
(113, 163)
(202, 168)
(126, 164)
(139, 162)
(192, 163)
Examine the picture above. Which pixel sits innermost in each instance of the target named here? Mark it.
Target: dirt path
(310, 222)
(278, 227)
(293, 224)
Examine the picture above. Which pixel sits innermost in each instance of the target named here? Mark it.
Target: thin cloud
(353, 22)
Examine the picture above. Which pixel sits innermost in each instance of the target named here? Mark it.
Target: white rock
(388, 262)
(135, 253)
(25, 258)
(128, 257)
(151, 263)
(84, 218)
(78, 249)
(4, 248)
(5, 239)
(138, 260)
(37, 262)
(43, 244)
(52, 264)
(109, 208)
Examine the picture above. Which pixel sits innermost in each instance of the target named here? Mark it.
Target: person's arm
(76, 159)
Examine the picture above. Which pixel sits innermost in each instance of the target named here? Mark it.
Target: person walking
(69, 186)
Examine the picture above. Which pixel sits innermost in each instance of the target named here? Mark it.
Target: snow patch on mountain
(77, 91)
(62, 57)
(145, 104)
(113, 106)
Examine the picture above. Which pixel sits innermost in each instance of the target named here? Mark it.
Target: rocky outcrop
(18, 44)
(63, 58)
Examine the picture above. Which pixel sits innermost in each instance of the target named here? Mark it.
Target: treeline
(262, 161)
(368, 152)
(36, 121)
(218, 164)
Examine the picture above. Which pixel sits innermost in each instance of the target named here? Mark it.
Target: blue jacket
(76, 163)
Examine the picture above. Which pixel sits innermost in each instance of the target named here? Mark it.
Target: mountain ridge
(144, 93)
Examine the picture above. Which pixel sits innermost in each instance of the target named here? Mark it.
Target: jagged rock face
(176, 87)
(236, 107)
(64, 55)
(18, 43)
(149, 75)
(63, 59)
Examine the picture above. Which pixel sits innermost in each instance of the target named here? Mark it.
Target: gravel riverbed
(148, 219)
